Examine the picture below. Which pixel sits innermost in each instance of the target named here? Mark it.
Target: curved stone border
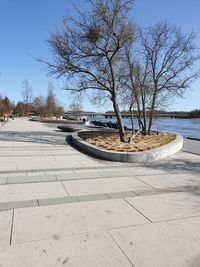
(152, 155)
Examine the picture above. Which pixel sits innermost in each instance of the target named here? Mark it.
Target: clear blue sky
(26, 24)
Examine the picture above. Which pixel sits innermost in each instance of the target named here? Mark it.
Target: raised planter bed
(152, 155)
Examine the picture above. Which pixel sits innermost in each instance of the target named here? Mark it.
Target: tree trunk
(119, 120)
(151, 112)
(131, 117)
(144, 117)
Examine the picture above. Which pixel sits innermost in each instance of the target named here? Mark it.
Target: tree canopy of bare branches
(89, 50)
(27, 95)
(162, 69)
(104, 51)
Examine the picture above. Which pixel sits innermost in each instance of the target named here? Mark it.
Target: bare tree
(59, 111)
(89, 51)
(75, 107)
(27, 95)
(163, 69)
(50, 105)
(39, 105)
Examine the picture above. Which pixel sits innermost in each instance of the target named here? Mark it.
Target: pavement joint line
(65, 189)
(56, 178)
(193, 153)
(107, 194)
(145, 182)
(30, 179)
(67, 198)
(83, 168)
(115, 241)
(177, 219)
(11, 230)
(34, 155)
(62, 237)
(135, 193)
(141, 194)
(137, 210)
(80, 233)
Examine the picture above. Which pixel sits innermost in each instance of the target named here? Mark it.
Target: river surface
(185, 127)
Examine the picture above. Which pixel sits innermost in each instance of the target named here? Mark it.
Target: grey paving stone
(85, 250)
(16, 174)
(174, 243)
(35, 173)
(3, 180)
(116, 173)
(31, 179)
(92, 197)
(57, 172)
(18, 204)
(5, 227)
(77, 176)
(121, 194)
(54, 201)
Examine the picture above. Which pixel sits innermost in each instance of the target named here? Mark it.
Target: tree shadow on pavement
(34, 137)
(177, 165)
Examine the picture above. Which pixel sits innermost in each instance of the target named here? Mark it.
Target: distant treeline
(187, 114)
(195, 113)
(191, 114)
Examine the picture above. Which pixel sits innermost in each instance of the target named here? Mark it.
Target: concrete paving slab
(104, 185)
(18, 204)
(5, 227)
(191, 146)
(86, 170)
(55, 201)
(15, 174)
(36, 173)
(73, 176)
(151, 170)
(8, 166)
(36, 160)
(54, 172)
(92, 163)
(31, 179)
(3, 180)
(20, 192)
(86, 250)
(175, 243)
(168, 206)
(186, 156)
(47, 165)
(131, 171)
(75, 218)
(172, 180)
(124, 194)
(92, 197)
(116, 173)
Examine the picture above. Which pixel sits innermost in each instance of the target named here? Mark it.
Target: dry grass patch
(111, 141)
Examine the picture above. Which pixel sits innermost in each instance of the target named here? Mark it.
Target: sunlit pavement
(60, 207)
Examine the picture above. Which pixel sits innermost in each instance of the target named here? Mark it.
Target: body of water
(185, 127)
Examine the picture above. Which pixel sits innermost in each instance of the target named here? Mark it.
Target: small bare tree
(163, 69)
(27, 95)
(39, 105)
(75, 107)
(89, 51)
(50, 106)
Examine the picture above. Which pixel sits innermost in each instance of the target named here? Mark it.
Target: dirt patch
(111, 141)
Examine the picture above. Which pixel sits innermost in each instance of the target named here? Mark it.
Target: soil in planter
(111, 141)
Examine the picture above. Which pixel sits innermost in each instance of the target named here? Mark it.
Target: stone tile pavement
(60, 207)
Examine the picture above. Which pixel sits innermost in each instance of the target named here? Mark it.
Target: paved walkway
(59, 207)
